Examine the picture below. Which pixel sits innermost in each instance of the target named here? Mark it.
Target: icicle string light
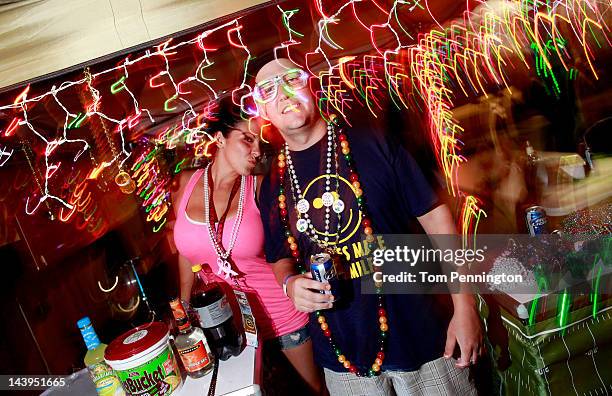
(469, 56)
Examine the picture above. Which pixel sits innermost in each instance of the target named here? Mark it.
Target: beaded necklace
(284, 158)
(222, 253)
(328, 199)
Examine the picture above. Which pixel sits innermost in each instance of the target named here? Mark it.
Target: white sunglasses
(293, 79)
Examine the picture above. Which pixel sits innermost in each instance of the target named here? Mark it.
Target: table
(238, 376)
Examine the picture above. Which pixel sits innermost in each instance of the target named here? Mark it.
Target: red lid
(136, 341)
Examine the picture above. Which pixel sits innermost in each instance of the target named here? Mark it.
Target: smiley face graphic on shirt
(341, 200)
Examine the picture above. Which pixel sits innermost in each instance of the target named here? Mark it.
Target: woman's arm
(184, 266)
(185, 278)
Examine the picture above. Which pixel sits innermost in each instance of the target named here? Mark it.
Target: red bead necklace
(367, 230)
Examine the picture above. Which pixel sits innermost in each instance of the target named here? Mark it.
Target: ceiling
(38, 37)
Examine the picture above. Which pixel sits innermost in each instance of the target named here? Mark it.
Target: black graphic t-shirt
(395, 192)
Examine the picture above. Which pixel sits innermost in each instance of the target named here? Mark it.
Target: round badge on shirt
(328, 199)
(302, 206)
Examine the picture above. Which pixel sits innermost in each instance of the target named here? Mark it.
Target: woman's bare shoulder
(185, 175)
(180, 183)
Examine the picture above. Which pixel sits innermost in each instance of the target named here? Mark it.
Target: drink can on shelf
(535, 216)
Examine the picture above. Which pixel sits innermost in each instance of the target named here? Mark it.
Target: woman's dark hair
(225, 115)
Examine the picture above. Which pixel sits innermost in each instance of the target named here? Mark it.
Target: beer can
(323, 270)
(535, 216)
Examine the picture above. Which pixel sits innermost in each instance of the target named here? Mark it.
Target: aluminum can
(535, 217)
(323, 270)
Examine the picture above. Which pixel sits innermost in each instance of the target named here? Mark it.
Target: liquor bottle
(191, 343)
(215, 313)
(533, 188)
(531, 173)
(532, 156)
(102, 375)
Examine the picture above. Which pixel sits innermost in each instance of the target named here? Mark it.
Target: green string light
(177, 168)
(118, 86)
(167, 104)
(77, 121)
(286, 16)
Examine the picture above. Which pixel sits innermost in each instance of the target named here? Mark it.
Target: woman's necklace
(222, 253)
(283, 161)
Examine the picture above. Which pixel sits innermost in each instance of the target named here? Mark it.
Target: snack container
(144, 361)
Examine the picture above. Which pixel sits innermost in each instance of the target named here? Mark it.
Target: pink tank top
(275, 314)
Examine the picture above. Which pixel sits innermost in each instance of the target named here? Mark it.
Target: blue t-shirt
(395, 192)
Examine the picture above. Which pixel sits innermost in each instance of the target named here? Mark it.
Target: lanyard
(213, 380)
(212, 214)
(248, 319)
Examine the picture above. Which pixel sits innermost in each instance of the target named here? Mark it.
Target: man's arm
(440, 221)
(301, 288)
(465, 327)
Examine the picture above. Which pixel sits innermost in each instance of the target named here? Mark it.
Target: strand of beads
(383, 326)
(222, 253)
(329, 200)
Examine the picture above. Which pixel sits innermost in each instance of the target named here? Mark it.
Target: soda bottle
(215, 313)
(191, 343)
(103, 377)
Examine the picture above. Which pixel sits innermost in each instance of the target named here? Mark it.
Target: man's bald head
(274, 68)
(291, 109)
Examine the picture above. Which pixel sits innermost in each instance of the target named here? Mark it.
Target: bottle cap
(84, 322)
(89, 334)
(196, 268)
(180, 316)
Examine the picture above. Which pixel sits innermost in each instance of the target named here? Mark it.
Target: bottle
(215, 313)
(191, 343)
(102, 375)
(532, 156)
(531, 172)
(532, 184)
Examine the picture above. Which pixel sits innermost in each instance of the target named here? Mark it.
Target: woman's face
(240, 148)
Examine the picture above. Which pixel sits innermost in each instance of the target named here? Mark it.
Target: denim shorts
(293, 339)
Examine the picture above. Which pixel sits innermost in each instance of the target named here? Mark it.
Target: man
(314, 200)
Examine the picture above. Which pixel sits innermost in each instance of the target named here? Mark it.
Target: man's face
(293, 107)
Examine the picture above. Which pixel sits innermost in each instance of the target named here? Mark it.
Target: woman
(229, 182)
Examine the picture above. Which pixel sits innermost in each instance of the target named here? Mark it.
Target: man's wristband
(285, 280)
